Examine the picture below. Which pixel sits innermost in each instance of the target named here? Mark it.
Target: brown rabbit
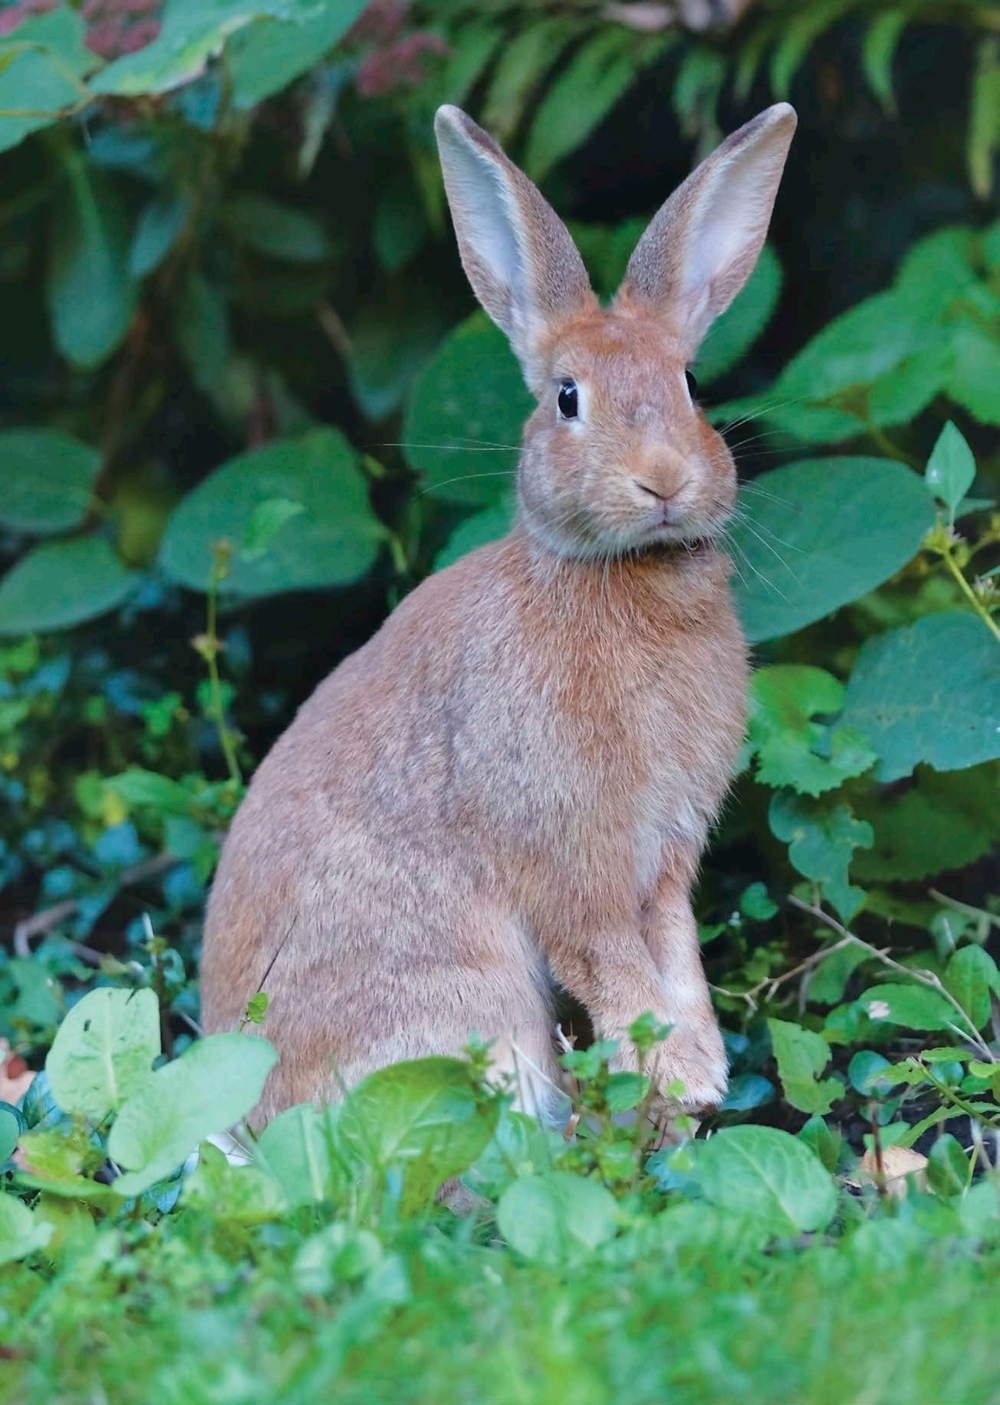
(507, 790)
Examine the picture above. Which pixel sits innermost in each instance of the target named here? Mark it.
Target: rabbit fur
(507, 790)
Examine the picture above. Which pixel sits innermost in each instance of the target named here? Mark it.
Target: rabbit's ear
(703, 243)
(523, 266)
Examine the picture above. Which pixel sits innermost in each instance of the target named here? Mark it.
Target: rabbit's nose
(662, 493)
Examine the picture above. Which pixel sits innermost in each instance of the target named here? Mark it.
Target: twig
(40, 923)
(771, 983)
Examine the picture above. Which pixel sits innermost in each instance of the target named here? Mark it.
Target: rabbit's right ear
(517, 253)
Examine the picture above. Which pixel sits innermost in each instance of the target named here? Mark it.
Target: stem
(970, 595)
(948, 1095)
(210, 653)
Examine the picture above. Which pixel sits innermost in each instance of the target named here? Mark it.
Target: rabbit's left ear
(703, 243)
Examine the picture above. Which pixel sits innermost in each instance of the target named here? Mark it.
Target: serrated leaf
(822, 836)
(783, 700)
(333, 541)
(801, 1056)
(855, 349)
(975, 374)
(62, 583)
(946, 820)
(928, 692)
(951, 467)
(763, 1174)
(48, 480)
(817, 534)
(214, 1083)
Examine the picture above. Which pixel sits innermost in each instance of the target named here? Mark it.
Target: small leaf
(783, 699)
(103, 1051)
(160, 224)
(243, 1194)
(948, 1168)
(877, 52)
(971, 976)
(801, 1056)
(822, 837)
(62, 583)
(984, 117)
(768, 1176)
(295, 1149)
(139, 787)
(950, 468)
(867, 1073)
(48, 480)
(214, 1083)
(556, 1218)
(10, 1130)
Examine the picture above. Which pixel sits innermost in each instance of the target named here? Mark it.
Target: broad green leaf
(768, 1176)
(951, 468)
(936, 272)
(267, 55)
(911, 1006)
(984, 117)
(333, 541)
(157, 230)
(867, 1073)
(466, 412)
(477, 530)
(192, 32)
(556, 1218)
(827, 982)
(103, 1051)
(946, 820)
(214, 1083)
(814, 535)
(279, 231)
(585, 91)
(90, 293)
(783, 699)
(423, 1116)
(928, 692)
(732, 336)
(971, 976)
(821, 836)
(948, 1169)
(267, 521)
(392, 340)
(975, 375)
(37, 84)
(898, 396)
(823, 1141)
(21, 1232)
(801, 1057)
(399, 230)
(295, 1149)
(854, 349)
(62, 583)
(244, 1194)
(606, 250)
(48, 479)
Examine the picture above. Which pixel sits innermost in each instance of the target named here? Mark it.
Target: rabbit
(505, 793)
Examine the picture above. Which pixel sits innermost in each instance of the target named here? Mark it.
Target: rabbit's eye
(692, 384)
(567, 402)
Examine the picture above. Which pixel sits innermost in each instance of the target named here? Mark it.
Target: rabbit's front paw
(689, 1070)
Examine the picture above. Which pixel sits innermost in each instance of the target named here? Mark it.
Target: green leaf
(946, 820)
(855, 349)
(214, 1083)
(783, 699)
(756, 904)
(276, 230)
(477, 530)
(422, 1115)
(295, 1149)
(10, 1130)
(137, 787)
(91, 296)
(267, 55)
(909, 387)
(768, 1176)
(266, 522)
(948, 1168)
(160, 224)
(556, 1218)
(867, 1073)
(465, 416)
(951, 468)
(798, 34)
(827, 982)
(21, 1232)
(242, 1194)
(585, 91)
(522, 64)
(975, 375)
(937, 272)
(971, 976)
(912, 1006)
(822, 836)
(201, 327)
(735, 332)
(801, 1057)
(817, 534)
(333, 541)
(103, 1051)
(62, 583)
(48, 480)
(338, 1253)
(928, 692)
(38, 65)
(877, 52)
(984, 117)
(392, 340)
